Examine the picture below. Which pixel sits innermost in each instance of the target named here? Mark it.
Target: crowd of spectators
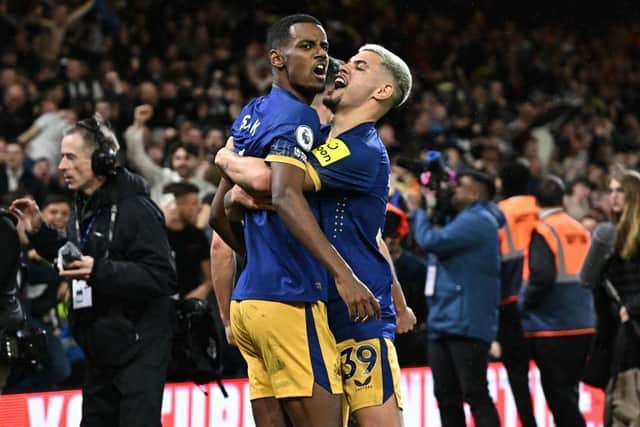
(564, 100)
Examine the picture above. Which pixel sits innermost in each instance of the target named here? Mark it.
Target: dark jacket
(625, 278)
(11, 313)
(131, 286)
(467, 285)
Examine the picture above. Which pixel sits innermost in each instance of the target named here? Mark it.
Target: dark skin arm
(292, 207)
(230, 232)
(250, 173)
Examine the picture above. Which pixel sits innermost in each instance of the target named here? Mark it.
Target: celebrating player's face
(356, 81)
(307, 57)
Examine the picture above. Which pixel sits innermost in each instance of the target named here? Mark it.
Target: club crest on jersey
(304, 137)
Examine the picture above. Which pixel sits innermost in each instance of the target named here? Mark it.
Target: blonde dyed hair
(399, 71)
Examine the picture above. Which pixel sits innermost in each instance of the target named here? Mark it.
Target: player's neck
(307, 98)
(345, 120)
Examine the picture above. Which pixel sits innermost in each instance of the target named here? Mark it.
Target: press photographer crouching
(463, 296)
(121, 276)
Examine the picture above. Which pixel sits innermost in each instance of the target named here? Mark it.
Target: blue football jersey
(352, 174)
(279, 128)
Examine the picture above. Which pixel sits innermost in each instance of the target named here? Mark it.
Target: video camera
(17, 342)
(431, 170)
(436, 172)
(26, 345)
(433, 173)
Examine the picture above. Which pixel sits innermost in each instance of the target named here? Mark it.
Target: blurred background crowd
(562, 97)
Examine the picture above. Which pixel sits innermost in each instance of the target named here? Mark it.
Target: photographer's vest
(567, 308)
(521, 213)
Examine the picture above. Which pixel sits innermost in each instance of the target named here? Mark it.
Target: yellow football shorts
(287, 346)
(370, 373)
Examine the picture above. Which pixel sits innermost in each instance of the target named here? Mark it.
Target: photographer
(11, 314)
(10, 308)
(40, 290)
(122, 314)
(463, 295)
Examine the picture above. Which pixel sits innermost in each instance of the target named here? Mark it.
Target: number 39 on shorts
(358, 361)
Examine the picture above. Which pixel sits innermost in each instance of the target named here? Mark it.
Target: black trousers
(130, 396)
(561, 361)
(515, 357)
(459, 367)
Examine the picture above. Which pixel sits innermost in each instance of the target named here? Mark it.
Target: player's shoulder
(278, 115)
(364, 141)
(360, 145)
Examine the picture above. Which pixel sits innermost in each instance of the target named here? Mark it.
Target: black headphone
(103, 159)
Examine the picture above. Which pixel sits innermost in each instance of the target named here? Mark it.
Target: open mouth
(320, 70)
(340, 82)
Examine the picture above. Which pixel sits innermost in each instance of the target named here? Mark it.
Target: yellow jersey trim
(285, 159)
(315, 178)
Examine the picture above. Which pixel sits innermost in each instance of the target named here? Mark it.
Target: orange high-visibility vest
(568, 307)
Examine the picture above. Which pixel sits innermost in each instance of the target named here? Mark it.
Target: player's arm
(287, 183)
(405, 318)
(223, 270)
(250, 173)
(230, 232)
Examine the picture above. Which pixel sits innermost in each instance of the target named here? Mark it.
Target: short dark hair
(550, 192)
(580, 180)
(278, 34)
(54, 199)
(483, 179)
(515, 178)
(179, 189)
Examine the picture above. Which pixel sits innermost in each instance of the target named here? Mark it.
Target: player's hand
(233, 209)
(142, 114)
(238, 196)
(222, 157)
(80, 269)
(405, 320)
(359, 299)
(28, 213)
(229, 334)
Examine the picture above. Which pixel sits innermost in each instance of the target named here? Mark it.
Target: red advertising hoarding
(187, 405)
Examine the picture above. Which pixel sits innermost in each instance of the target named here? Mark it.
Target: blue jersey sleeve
(283, 150)
(334, 166)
